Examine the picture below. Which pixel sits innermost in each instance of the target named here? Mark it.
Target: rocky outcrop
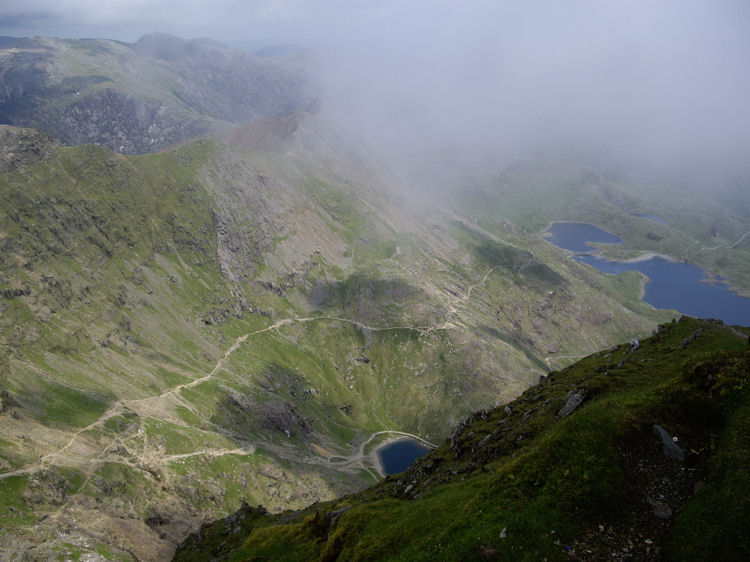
(13, 293)
(122, 122)
(23, 147)
(6, 401)
(143, 97)
(574, 399)
(283, 417)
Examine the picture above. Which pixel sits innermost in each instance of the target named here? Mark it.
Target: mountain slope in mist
(249, 315)
(706, 227)
(141, 97)
(247, 318)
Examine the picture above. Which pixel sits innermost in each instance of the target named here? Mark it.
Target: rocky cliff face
(21, 147)
(143, 97)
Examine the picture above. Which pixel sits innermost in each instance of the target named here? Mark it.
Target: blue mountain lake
(397, 456)
(671, 284)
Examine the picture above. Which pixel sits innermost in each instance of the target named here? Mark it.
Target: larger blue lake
(397, 456)
(670, 284)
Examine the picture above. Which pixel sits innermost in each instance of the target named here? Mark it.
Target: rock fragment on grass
(574, 399)
(671, 449)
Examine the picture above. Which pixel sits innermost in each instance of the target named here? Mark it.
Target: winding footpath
(533, 259)
(121, 406)
(710, 249)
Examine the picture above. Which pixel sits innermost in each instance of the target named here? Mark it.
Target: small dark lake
(671, 284)
(397, 456)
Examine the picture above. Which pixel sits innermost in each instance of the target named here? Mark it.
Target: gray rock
(671, 449)
(692, 337)
(332, 517)
(574, 399)
(661, 509)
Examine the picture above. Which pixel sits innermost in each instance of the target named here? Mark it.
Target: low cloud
(655, 86)
(651, 84)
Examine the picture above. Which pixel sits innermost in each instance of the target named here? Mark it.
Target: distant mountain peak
(166, 46)
(141, 97)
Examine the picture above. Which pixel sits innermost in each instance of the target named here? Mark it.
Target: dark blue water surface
(653, 218)
(673, 285)
(397, 456)
(679, 286)
(575, 236)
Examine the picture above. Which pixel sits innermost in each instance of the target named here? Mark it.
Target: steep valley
(212, 324)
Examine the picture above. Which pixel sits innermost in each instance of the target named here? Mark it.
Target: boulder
(574, 399)
(671, 449)
(661, 509)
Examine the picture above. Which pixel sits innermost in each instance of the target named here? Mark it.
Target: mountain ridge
(610, 487)
(144, 97)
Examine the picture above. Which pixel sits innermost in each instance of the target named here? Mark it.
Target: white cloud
(660, 77)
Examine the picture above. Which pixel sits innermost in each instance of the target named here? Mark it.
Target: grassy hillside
(249, 308)
(573, 467)
(247, 319)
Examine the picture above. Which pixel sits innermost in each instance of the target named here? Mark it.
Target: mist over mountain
(658, 90)
(230, 279)
(142, 97)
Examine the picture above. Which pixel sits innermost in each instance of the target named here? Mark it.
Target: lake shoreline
(666, 283)
(378, 459)
(645, 256)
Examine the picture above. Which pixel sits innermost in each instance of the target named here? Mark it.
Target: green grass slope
(243, 319)
(529, 482)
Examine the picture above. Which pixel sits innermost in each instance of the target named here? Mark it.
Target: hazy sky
(650, 80)
(284, 20)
